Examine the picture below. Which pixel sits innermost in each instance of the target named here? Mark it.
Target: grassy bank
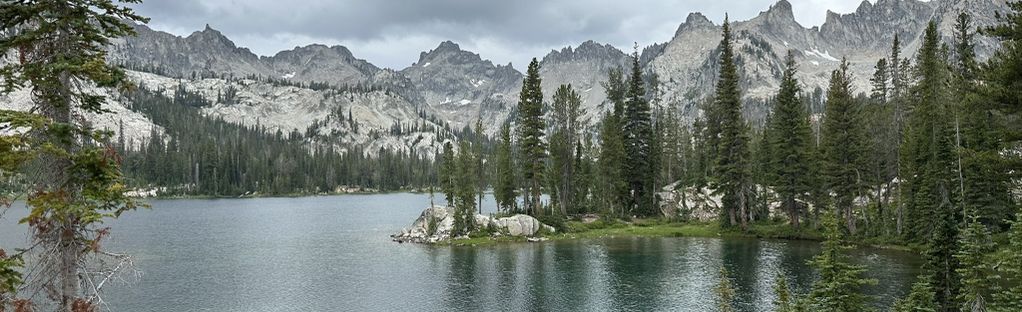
(661, 228)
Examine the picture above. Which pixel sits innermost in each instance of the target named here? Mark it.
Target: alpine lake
(334, 253)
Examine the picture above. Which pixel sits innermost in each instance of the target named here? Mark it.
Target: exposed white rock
(435, 223)
(137, 127)
(689, 203)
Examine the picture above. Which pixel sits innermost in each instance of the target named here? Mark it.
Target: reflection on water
(333, 254)
(641, 274)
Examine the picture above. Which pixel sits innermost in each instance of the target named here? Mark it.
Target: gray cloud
(390, 33)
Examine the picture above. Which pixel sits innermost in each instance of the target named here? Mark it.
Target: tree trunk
(792, 209)
(743, 204)
(850, 218)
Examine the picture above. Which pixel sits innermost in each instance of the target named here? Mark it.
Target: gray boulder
(436, 223)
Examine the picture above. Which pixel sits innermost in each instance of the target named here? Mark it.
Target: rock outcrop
(435, 224)
(689, 203)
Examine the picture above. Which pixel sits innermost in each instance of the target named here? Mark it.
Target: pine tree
(478, 154)
(880, 82)
(785, 301)
(790, 143)
(883, 146)
(504, 184)
(530, 137)
(930, 190)
(725, 292)
(984, 181)
(896, 98)
(1009, 267)
(465, 191)
(638, 141)
(927, 150)
(843, 145)
(762, 171)
(975, 272)
(613, 185)
(941, 263)
(76, 182)
(840, 283)
(701, 161)
(565, 118)
(583, 177)
(448, 173)
(671, 137)
(732, 162)
(919, 299)
(1003, 74)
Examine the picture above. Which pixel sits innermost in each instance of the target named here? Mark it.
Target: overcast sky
(391, 33)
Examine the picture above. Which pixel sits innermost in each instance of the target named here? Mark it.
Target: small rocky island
(435, 223)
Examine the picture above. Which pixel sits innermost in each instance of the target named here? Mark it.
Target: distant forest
(199, 155)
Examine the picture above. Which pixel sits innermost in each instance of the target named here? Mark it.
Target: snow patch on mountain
(823, 55)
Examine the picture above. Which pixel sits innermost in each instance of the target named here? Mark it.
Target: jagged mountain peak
(448, 45)
(208, 33)
(449, 52)
(874, 25)
(780, 11)
(588, 50)
(317, 49)
(778, 20)
(695, 19)
(865, 6)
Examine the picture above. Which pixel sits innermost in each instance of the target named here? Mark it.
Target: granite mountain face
(307, 89)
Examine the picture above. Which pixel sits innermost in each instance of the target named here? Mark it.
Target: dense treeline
(209, 156)
(928, 157)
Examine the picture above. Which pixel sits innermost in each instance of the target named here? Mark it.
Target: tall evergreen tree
(927, 150)
(638, 141)
(896, 102)
(504, 184)
(671, 138)
(843, 145)
(785, 301)
(732, 162)
(480, 160)
(984, 184)
(465, 191)
(725, 291)
(790, 142)
(919, 299)
(448, 173)
(930, 177)
(583, 177)
(530, 137)
(1010, 267)
(613, 185)
(883, 146)
(567, 125)
(974, 269)
(75, 177)
(1003, 74)
(839, 287)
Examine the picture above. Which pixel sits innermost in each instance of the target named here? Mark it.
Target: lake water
(334, 254)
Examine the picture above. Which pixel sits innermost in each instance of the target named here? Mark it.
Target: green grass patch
(606, 228)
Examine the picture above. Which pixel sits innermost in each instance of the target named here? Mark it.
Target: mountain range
(310, 89)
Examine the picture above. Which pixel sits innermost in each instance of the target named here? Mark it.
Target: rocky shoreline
(435, 223)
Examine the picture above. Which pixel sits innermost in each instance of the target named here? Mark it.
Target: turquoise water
(334, 254)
